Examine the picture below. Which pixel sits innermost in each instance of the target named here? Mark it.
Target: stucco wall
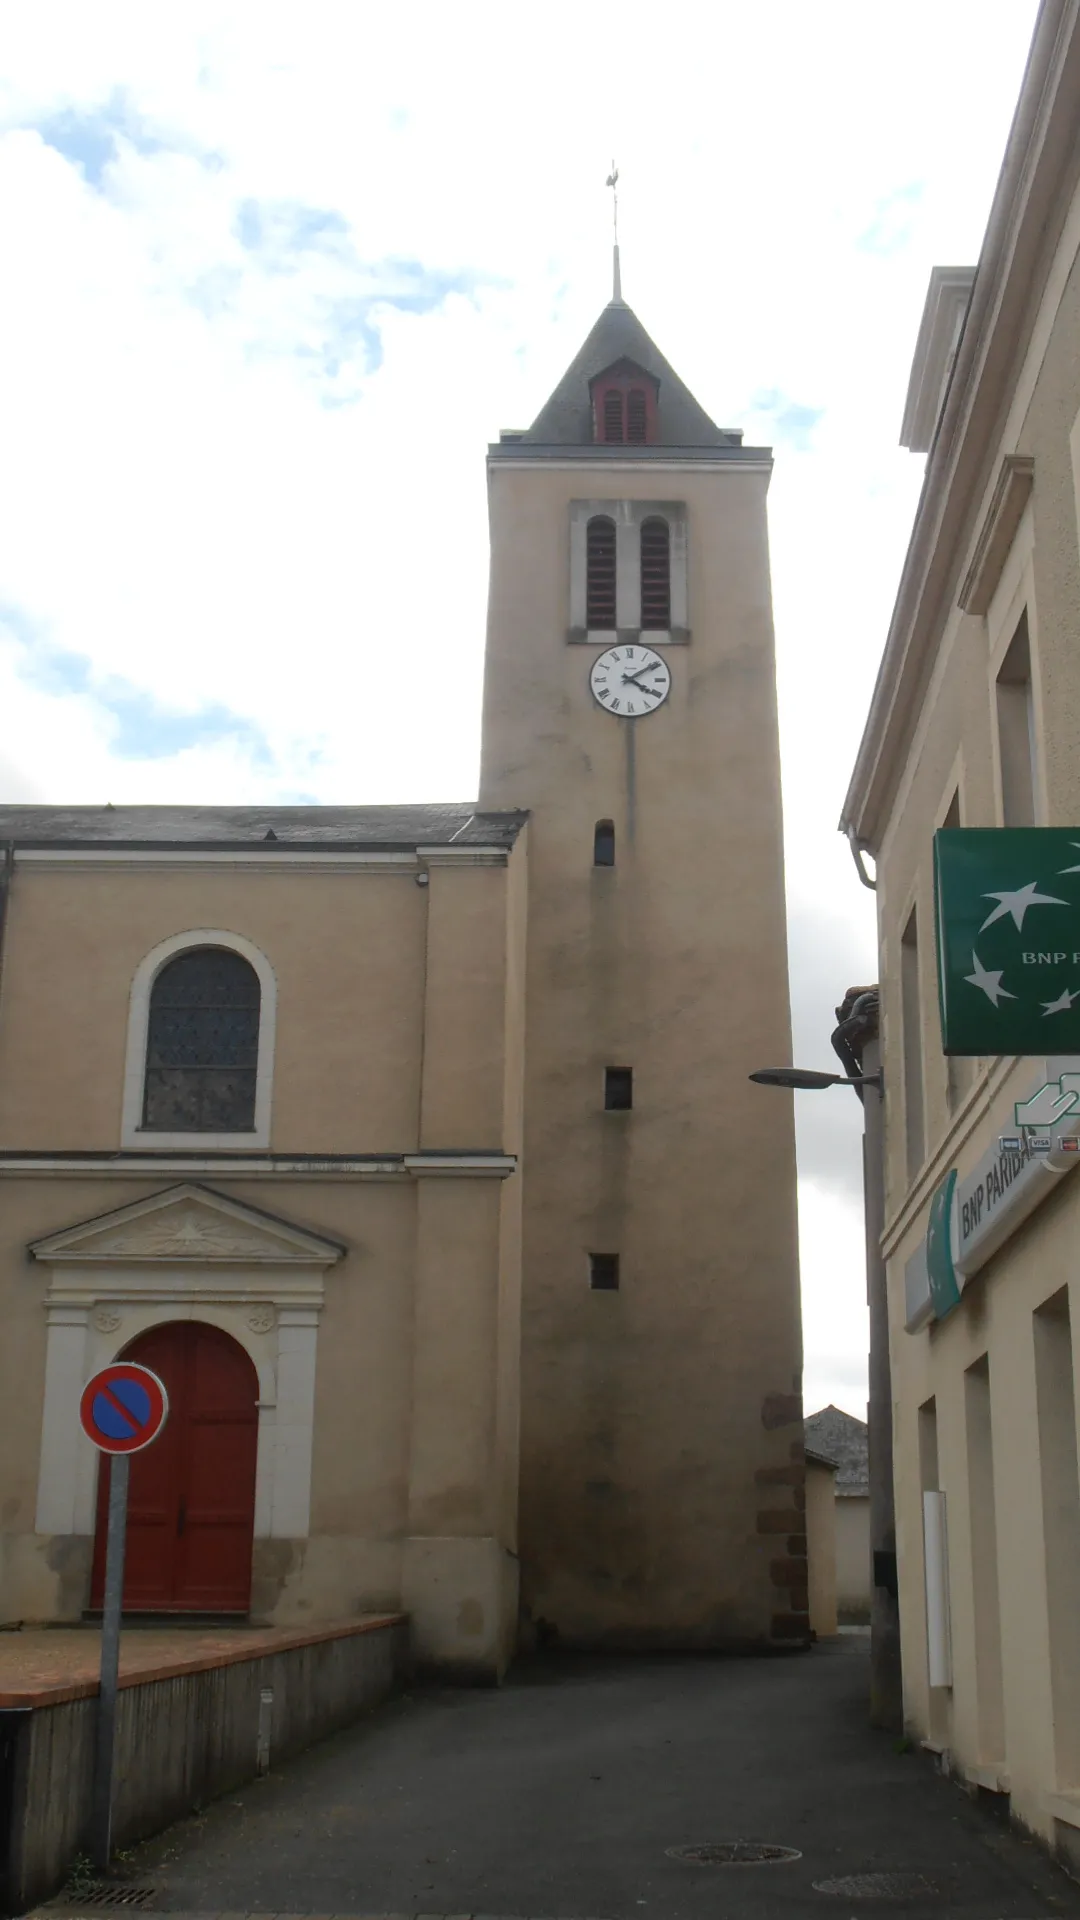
(374, 975)
(821, 1545)
(399, 1028)
(853, 1556)
(954, 745)
(660, 1423)
(970, 1420)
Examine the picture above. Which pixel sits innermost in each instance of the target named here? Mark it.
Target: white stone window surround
(628, 516)
(132, 1132)
(269, 1301)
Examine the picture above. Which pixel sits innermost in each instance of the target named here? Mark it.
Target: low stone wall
(183, 1736)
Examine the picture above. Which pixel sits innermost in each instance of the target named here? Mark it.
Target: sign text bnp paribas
(1008, 938)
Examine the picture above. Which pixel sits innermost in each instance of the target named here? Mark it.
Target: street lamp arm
(809, 1080)
(858, 1021)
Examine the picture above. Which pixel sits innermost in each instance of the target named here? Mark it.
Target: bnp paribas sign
(1008, 939)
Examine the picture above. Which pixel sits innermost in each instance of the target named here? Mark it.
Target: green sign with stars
(1008, 939)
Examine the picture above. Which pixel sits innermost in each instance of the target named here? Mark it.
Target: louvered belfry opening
(202, 1044)
(655, 574)
(624, 408)
(613, 417)
(600, 573)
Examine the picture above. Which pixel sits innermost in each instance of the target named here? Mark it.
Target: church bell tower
(630, 705)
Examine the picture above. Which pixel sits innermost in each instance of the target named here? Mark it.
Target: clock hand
(633, 678)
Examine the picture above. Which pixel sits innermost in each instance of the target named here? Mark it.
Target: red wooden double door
(191, 1504)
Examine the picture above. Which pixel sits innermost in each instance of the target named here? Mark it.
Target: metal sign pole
(110, 1658)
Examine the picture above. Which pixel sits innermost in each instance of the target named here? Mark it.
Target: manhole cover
(878, 1886)
(108, 1893)
(734, 1853)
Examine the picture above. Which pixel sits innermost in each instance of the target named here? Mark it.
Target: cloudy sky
(265, 264)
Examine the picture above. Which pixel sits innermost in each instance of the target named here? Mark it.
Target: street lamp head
(808, 1081)
(802, 1077)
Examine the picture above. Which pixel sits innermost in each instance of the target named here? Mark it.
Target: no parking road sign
(123, 1408)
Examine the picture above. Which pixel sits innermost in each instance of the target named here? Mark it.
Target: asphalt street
(560, 1794)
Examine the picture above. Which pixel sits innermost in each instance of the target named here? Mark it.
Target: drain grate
(878, 1886)
(734, 1853)
(109, 1893)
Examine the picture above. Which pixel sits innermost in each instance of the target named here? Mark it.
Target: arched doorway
(191, 1506)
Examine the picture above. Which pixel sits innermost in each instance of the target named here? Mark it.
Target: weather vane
(612, 181)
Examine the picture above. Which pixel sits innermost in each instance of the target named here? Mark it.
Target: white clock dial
(630, 680)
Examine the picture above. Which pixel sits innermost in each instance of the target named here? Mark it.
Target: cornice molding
(151, 859)
(725, 459)
(942, 322)
(75, 1164)
(239, 859)
(1010, 496)
(476, 1166)
(462, 856)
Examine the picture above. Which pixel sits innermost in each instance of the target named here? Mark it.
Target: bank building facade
(410, 1144)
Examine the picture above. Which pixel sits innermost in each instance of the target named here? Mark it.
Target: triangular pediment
(631, 368)
(188, 1224)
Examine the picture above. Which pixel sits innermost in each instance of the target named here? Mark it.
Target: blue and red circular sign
(123, 1408)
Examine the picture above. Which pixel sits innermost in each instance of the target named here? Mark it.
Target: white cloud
(211, 496)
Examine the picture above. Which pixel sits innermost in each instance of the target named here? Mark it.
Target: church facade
(410, 1145)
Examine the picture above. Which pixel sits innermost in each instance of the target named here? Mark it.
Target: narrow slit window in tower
(618, 1089)
(603, 850)
(600, 574)
(604, 1272)
(655, 574)
(636, 417)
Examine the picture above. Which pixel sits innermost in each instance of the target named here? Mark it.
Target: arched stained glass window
(202, 1044)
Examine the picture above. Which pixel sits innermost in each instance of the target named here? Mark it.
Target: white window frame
(628, 516)
(132, 1131)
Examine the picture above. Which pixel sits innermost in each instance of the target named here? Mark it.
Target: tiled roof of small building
(841, 1437)
(405, 826)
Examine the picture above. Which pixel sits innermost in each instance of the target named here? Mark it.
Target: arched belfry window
(628, 569)
(202, 1044)
(655, 574)
(600, 573)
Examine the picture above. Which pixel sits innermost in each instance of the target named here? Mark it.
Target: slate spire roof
(566, 418)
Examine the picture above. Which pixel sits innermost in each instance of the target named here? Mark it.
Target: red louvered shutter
(600, 573)
(613, 417)
(655, 574)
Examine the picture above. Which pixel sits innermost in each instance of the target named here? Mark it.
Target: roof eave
(515, 452)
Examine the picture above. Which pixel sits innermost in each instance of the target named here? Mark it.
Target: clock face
(630, 680)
